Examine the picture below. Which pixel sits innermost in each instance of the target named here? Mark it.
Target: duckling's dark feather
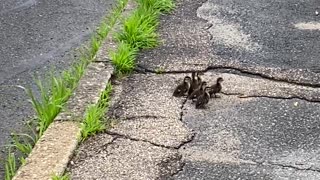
(202, 100)
(183, 88)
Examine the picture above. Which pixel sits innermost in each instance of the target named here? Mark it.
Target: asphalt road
(36, 35)
(259, 128)
(269, 38)
(265, 32)
(266, 137)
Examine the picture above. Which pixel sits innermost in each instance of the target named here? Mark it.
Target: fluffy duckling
(183, 88)
(203, 99)
(195, 82)
(199, 78)
(216, 88)
(195, 94)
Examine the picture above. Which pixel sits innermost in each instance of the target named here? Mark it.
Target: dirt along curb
(54, 149)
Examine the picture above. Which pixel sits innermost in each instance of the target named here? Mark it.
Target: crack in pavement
(123, 136)
(81, 157)
(266, 163)
(239, 95)
(295, 167)
(181, 169)
(181, 119)
(118, 135)
(229, 70)
(142, 117)
(164, 165)
(182, 106)
(183, 143)
(286, 166)
(279, 97)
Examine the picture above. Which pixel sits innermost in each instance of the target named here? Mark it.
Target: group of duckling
(197, 90)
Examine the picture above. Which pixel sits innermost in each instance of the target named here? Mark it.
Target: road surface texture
(36, 35)
(265, 125)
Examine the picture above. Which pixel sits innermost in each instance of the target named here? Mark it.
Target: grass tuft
(160, 70)
(140, 29)
(24, 143)
(64, 177)
(139, 32)
(94, 121)
(103, 30)
(95, 45)
(124, 58)
(10, 166)
(52, 98)
(160, 5)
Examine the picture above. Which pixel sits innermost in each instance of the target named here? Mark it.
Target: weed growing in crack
(94, 121)
(160, 70)
(10, 166)
(63, 177)
(24, 143)
(103, 30)
(72, 76)
(140, 29)
(160, 5)
(139, 32)
(21, 147)
(52, 98)
(95, 45)
(124, 58)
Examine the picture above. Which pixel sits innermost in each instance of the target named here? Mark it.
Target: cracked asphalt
(265, 125)
(36, 35)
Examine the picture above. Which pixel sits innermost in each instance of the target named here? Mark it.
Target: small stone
(295, 104)
(317, 13)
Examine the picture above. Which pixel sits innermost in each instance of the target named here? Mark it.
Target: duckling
(183, 88)
(194, 83)
(203, 99)
(216, 88)
(199, 78)
(195, 94)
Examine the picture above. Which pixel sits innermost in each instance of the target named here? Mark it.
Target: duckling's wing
(185, 89)
(206, 100)
(192, 88)
(200, 102)
(219, 88)
(194, 94)
(213, 89)
(177, 91)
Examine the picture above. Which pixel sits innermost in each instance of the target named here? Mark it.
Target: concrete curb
(52, 152)
(54, 149)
